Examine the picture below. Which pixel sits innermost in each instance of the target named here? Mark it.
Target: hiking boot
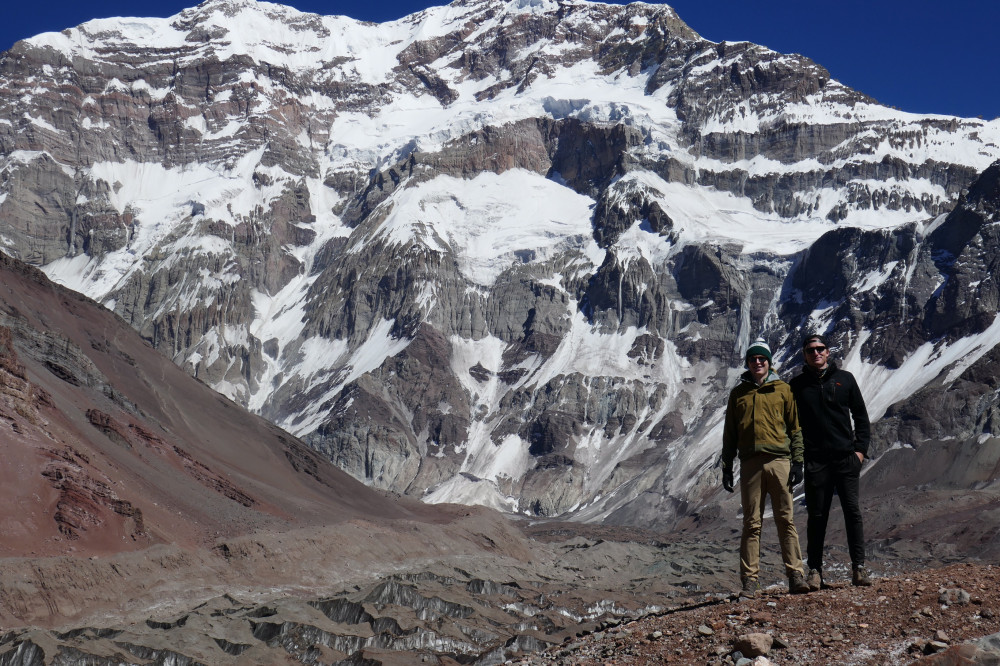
(797, 583)
(814, 580)
(749, 590)
(861, 577)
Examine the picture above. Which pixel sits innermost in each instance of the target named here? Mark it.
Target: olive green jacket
(761, 419)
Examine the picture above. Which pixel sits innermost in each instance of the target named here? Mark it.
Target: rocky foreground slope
(940, 617)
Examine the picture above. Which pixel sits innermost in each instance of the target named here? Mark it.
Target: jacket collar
(831, 367)
(771, 376)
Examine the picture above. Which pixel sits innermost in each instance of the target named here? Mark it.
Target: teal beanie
(759, 348)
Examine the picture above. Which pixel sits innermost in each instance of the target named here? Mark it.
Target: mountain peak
(426, 246)
(237, 8)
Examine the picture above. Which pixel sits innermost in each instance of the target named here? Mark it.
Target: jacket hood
(771, 376)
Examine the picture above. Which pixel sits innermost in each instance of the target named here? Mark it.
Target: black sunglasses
(815, 350)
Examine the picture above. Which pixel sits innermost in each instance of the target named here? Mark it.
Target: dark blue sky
(924, 56)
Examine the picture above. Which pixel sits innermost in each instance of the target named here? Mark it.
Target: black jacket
(827, 403)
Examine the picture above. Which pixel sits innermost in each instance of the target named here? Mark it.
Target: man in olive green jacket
(762, 428)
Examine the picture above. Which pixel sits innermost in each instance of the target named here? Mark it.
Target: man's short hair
(814, 336)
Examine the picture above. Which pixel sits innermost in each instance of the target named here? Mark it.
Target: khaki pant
(762, 476)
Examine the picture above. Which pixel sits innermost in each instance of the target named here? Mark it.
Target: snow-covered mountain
(504, 252)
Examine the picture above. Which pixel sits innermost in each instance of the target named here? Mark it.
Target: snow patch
(486, 229)
(883, 387)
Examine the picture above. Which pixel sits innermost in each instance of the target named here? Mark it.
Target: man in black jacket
(828, 400)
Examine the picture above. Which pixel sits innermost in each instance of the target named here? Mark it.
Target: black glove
(727, 477)
(795, 476)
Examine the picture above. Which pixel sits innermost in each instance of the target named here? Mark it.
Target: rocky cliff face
(502, 253)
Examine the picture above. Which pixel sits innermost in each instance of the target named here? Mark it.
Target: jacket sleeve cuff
(796, 445)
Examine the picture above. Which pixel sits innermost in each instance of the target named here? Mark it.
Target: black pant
(842, 475)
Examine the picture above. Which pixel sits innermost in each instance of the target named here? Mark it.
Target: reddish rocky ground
(898, 620)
